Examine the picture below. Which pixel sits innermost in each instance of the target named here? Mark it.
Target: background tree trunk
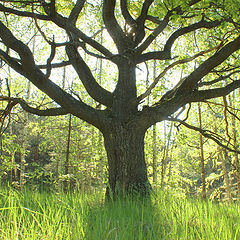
(22, 168)
(154, 149)
(100, 138)
(13, 176)
(166, 153)
(154, 141)
(204, 196)
(67, 161)
(226, 178)
(235, 143)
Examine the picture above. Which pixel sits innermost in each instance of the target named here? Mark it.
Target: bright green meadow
(29, 215)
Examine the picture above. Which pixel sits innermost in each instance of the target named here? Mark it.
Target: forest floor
(33, 215)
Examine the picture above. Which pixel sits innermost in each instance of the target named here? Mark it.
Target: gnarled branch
(121, 40)
(162, 25)
(76, 10)
(182, 61)
(93, 88)
(209, 83)
(128, 18)
(188, 29)
(28, 69)
(23, 13)
(202, 95)
(40, 112)
(68, 26)
(219, 57)
(206, 133)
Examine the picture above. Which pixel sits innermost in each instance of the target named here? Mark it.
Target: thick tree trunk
(127, 167)
(124, 138)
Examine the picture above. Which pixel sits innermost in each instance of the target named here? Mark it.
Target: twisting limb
(83, 46)
(63, 23)
(202, 95)
(23, 13)
(182, 61)
(186, 117)
(28, 69)
(51, 43)
(163, 24)
(127, 16)
(120, 39)
(45, 112)
(205, 133)
(188, 29)
(190, 83)
(76, 11)
(201, 84)
(55, 65)
(49, 60)
(160, 28)
(140, 32)
(67, 25)
(93, 88)
(166, 52)
(143, 15)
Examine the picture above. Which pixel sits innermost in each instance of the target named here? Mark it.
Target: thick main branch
(28, 69)
(191, 81)
(201, 95)
(40, 112)
(93, 88)
(121, 40)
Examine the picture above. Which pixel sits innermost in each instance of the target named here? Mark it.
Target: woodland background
(63, 152)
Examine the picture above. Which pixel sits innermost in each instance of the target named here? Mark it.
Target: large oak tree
(133, 26)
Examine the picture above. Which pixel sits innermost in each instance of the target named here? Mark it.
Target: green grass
(49, 216)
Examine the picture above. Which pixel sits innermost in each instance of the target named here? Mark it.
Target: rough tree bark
(127, 167)
(123, 121)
